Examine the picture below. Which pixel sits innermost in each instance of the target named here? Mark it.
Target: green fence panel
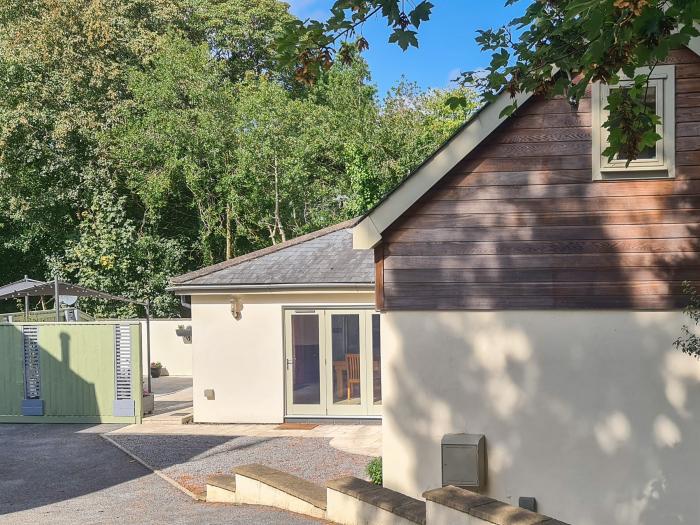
(11, 370)
(77, 369)
(77, 366)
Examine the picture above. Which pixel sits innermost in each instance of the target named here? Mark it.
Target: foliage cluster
(143, 138)
(554, 48)
(374, 471)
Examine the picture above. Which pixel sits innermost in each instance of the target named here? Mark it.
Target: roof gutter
(190, 289)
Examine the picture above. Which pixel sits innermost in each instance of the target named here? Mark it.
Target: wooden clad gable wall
(520, 224)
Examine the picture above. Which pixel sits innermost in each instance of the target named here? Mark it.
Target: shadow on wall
(599, 423)
(590, 411)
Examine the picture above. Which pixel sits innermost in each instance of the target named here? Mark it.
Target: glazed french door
(332, 362)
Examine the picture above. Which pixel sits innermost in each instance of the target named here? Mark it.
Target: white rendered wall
(591, 412)
(167, 347)
(243, 361)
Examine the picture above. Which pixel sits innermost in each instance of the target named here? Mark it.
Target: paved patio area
(173, 399)
(365, 440)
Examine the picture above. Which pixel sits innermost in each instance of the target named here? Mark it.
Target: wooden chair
(353, 361)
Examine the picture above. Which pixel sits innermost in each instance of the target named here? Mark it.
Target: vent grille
(32, 370)
(122, 353)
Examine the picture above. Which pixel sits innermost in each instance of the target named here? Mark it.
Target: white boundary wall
(167, 347)
(594, 413)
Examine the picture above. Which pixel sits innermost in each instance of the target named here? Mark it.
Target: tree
(143, 138)
(241, 34)
(112, 255)
(276, 180)
(555, 48)
(69, 71)
(411, 125)
(172, 144)
(63, 67)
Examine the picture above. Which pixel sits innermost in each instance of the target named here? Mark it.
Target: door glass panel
(376, 361)
(306, 371)
(345, 341)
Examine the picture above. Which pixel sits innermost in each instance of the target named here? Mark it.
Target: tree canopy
(555, 48)
(140, 139)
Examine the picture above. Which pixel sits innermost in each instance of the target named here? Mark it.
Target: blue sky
(447, 43)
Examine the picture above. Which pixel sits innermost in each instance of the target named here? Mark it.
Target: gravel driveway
(190, 459)
(66, 474)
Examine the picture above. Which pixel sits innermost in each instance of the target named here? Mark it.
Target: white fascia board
(694, 44)
(367, 233)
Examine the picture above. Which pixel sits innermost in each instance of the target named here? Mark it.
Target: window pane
(346, 358)
(650, 102)
(376, 361)
(306, 373)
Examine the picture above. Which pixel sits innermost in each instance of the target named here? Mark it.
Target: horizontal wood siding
(520, 223)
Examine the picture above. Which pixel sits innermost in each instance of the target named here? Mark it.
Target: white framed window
(654, 162)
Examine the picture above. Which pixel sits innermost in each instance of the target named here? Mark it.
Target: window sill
(633, 174)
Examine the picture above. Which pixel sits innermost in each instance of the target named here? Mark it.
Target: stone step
(175, 417)
(221, 488)
(261, 485)
(353, 501)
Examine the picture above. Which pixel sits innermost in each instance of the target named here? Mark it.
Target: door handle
(290, 362)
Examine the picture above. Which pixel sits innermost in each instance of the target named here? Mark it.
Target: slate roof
(324, 257)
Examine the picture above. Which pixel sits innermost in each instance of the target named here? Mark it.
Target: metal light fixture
(236, 308)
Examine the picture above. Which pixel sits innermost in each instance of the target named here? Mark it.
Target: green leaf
(421, 13)
(508, 110)
(404, 38)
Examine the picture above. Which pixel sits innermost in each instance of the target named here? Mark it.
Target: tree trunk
(229, 239)
(278, 218)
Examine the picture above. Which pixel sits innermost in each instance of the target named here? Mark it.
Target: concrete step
(354, 501)
(261, 485)
(181, 416)
(221, 488)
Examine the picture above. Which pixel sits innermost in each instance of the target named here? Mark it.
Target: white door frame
(326, 407)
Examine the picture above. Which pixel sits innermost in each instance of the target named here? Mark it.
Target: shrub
(374, 471)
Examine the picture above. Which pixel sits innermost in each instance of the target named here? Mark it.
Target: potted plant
(155, 369)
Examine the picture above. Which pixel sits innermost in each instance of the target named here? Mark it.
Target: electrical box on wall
(464, 461)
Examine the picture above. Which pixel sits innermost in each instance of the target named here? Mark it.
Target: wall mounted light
(185, 332)
(236, 308)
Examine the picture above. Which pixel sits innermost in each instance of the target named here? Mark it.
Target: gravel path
(68, 474)
(189, 460)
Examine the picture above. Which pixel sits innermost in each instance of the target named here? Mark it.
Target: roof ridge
(207, 270)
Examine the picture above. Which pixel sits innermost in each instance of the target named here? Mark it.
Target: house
(530, 292)
(286, 333)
